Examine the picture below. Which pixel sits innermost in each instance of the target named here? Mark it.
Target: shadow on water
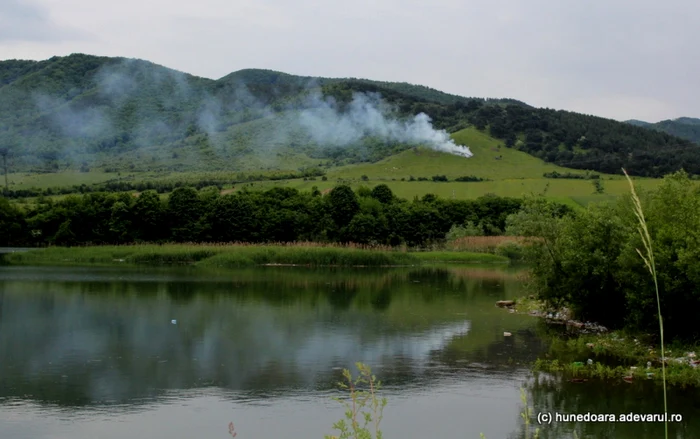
(548, 394)
(382, 300)
(341, 295)
(179, 292)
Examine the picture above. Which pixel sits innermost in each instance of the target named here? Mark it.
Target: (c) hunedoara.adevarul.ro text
(549, 417)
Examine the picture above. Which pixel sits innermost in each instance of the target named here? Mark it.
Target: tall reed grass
(459, 256)
(485, 244)
(219, 255)
(648, 258)
(227, 255)
(308, 255)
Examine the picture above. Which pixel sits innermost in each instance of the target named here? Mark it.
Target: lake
(179, 353)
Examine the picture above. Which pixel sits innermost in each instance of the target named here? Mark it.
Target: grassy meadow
(506, 171)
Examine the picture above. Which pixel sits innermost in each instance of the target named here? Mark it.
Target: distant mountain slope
(638, 123)
(684, 127)
(83, 111)
(260, 78)
(588, 142)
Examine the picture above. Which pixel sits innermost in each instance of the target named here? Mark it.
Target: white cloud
(22, 21)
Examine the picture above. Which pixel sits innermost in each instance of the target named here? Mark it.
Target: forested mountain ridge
(684, 127)
(88, 111)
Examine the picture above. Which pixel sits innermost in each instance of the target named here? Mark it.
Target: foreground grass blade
(648, 258)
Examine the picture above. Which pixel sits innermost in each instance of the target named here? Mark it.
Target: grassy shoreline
(241, 255)
(618, 356)
(610, 356)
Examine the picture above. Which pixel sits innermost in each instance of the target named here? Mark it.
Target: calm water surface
(178, 353)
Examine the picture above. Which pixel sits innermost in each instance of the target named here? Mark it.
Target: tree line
(162, 186)
(276, 215)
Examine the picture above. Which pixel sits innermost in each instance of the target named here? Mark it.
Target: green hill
(684, 127)
(505, 172)
(84, 112)
(491, 161)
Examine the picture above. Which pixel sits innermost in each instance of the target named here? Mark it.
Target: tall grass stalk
(651, 266)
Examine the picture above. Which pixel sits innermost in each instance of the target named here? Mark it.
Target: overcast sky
(621, 59)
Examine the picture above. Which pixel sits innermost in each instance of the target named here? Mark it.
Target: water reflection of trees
(380, 301)
(556, 395)
(78, 342)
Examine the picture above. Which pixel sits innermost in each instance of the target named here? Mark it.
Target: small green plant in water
(526, 414)
(363, 407)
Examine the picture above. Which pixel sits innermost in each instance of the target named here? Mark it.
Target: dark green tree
(65, 235)
(13, 226)
(343, 205)
(234, 218)
(364, 229)
(382, 193)
(148, 213)
(184, 212)
(120, 223)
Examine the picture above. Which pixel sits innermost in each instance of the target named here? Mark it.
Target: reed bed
(490, 273)
(485, 244)
(459, 256)
(225, 255)
(217, 255)
(308, 255)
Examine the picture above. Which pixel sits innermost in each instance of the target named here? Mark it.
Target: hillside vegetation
(84, 112)
(494, 169)
(684, 127)
(415, 172)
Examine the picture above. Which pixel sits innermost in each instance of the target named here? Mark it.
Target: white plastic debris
(173, 321)
(507, 334)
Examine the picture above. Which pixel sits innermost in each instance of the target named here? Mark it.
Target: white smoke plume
(368, 115)
(136, 108)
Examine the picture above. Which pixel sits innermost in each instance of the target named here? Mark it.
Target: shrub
(511, 250)
(364, 409)
(468, 229)
(469, 178)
